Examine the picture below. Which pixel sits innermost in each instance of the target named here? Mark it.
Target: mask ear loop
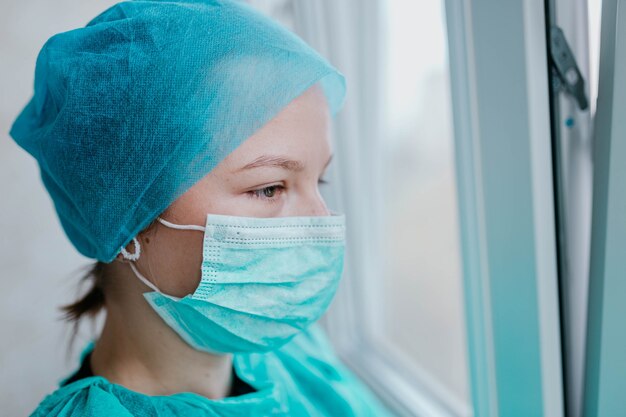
(143, 279)
(181, 226)
(132, 257)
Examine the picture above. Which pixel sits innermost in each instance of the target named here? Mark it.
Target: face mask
(264, 280)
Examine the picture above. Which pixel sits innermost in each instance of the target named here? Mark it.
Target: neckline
(264, 390)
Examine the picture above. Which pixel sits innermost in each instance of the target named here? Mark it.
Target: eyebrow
(277, 162)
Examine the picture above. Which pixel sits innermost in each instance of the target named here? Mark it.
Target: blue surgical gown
(303, 378)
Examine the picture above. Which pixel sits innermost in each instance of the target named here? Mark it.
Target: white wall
(39, 269)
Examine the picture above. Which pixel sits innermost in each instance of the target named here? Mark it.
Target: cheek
(238, 203)
(175, 259)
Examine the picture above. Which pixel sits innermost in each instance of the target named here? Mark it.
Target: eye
(267, 193)
(322, 181)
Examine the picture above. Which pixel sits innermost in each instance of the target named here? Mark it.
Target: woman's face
(274, 173)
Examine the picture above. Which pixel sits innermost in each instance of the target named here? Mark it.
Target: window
(461, 135)
(422, 295)
(482, 198)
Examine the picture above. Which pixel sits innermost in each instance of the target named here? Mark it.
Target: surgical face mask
(263, 281)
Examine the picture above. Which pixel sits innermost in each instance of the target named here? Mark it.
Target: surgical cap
(133, 109)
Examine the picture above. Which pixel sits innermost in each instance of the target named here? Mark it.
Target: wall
(39, 269)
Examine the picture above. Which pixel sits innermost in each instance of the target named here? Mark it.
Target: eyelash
(260, 192)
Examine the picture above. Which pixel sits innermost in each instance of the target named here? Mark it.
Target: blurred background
(39, 269)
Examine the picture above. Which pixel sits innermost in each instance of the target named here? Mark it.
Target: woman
(182, 143)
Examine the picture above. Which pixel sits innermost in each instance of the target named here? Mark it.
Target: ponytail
(92, 302)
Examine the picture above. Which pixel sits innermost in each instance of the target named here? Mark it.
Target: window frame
(572, 146)
(606, 343)
(514, 337)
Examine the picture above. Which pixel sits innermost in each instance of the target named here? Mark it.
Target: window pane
(423, 298)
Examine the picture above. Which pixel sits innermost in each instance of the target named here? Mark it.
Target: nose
(319, 207)
(313, 205)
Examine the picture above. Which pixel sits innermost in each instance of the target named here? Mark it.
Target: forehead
(301, 130)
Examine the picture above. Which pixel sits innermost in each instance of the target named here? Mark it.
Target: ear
(120, 258)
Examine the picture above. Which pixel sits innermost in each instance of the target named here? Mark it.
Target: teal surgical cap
(133, 109)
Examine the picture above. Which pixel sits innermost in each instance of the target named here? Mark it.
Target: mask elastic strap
(181, 226)
(142, 278)
(132, 257)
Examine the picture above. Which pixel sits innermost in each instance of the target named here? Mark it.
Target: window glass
(423, 294)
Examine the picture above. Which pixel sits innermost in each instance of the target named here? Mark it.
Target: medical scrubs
(303, 378)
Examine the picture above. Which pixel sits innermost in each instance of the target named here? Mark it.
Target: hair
(92, 302)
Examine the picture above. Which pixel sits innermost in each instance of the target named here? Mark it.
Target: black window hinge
(566, 75)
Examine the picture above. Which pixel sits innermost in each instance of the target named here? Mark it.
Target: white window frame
(573, 140)
(512, 291)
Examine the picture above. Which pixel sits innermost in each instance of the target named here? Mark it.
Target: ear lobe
(120, 258)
